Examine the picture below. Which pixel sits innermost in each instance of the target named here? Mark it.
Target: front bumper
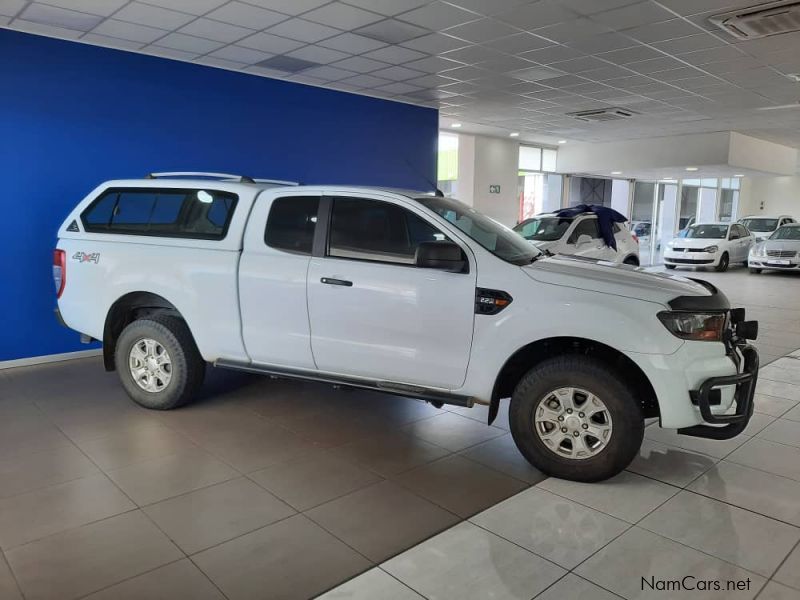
(778, 264)
(690, 258)
(726, 426)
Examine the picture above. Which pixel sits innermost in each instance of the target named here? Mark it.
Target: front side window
(372, 230)
(707, 232)
(585, 227)
(291, 224)
(488, 233)
(197, 214)
(543, 229)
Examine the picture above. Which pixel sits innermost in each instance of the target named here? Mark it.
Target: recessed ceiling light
(616, 172)
(691, 168)
(514, 134)
(739, 175)
(562, 141)
(455, 125)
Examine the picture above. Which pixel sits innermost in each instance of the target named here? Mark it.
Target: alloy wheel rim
(150, 365)
(573, 423)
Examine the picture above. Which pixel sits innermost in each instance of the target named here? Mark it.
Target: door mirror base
(444, 255)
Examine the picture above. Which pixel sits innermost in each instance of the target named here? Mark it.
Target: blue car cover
(606, 217)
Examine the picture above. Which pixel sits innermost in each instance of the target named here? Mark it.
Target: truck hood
(609, 278)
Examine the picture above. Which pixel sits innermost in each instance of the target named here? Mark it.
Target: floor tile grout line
(11, 572)
(400, 581)
(106, 587)
(795, 548)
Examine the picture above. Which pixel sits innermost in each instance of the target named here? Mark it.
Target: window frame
(324, 222)
(214, 237)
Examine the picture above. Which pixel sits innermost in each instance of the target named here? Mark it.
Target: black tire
(670, 267)
(631, 260)
(724, 262)
(596, 378)
(187, 368)
(755, 271)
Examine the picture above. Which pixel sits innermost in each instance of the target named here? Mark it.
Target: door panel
(374, 314)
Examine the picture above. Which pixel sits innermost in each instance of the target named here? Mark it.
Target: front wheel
(755, 271)
(572, 417)
(670, 267)
(724, 261)
(158, 362)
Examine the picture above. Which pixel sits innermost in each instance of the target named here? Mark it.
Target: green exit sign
(494, 189)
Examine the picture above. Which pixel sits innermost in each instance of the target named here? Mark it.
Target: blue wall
(74, 115)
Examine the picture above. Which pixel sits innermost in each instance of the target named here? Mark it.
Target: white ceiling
(496, 66)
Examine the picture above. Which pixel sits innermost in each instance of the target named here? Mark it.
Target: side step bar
(435, 397)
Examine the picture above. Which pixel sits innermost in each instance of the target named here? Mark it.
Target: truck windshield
(710, 232)
(543, 229)
(760, 225)
(496, 238)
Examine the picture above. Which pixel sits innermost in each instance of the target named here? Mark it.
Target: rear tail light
(59, 271)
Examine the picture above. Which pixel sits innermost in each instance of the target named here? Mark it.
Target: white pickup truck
(409, 294)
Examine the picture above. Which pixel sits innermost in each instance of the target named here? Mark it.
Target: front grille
(689, 249)
(689, 261)
(781, 253)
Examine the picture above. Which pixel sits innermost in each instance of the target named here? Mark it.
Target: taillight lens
(59, 271)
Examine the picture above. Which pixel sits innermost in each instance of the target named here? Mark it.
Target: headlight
(670, 243)
(704, 327)
(711, 249)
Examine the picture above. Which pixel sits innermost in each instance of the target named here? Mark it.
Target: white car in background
(579, 236)
(763, 227)
(710, 245)
(781, 252)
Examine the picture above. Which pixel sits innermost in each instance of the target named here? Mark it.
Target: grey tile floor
(270, 489)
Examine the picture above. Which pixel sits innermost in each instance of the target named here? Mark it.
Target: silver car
(780, 252)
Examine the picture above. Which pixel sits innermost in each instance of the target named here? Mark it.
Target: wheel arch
(126, 309)
(528, 356)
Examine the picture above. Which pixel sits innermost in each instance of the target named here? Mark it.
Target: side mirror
(583, 239)
(443, 255)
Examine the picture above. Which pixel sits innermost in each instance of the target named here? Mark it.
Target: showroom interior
(681, 116)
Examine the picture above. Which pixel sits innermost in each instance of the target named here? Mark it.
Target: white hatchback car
(579, 236)
(763, 227)
(710, 245)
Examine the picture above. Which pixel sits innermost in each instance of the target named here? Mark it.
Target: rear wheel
(158, 362)
(572, 417)
(631, 260)
(724, 261)
(755, 271)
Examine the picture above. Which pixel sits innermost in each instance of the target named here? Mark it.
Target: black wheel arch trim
(716, 301)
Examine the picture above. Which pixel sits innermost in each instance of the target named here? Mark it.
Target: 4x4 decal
(84, 257)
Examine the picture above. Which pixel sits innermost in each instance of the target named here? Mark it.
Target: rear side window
(585, 227)
(291, 224)
(197, 214)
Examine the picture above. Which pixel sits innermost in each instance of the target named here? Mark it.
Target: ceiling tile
(194, 7)
(435, 43)
(245, 15)
(144, 14)
(570, 31)
(537, 74)
(539, 14)
(472, 54)
(10, 8)
(328, 73)
(690, 43)
(519, 42)
(658, 32)
(352, 43)
(170, 53)
(654, 65)
(365, 81)
(437, 16)
(188, 43)
(392, 31)
(388, 7)
(304, 31)
(43, 29)
(59, 17)
(129, 31)
(505, 63)
(237, 54)
(605, 42)
(482, 30)
(394, 55)
(433, 64)
(398, 87)
(286, 64)
(551, 54)
(397, 73)
(214, 30)
(466, 73)
(103, 40)
(342, 16)
(96, 7)
(581, 64)
(272, 44)
(488, 8)
(289, 7)
(629, 55)
(633, 15)
(221, 63)
(318, 54)
(360, 64)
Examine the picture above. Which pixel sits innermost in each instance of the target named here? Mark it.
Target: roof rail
(223, 176)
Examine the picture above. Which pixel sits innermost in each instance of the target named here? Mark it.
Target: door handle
(331, 281)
